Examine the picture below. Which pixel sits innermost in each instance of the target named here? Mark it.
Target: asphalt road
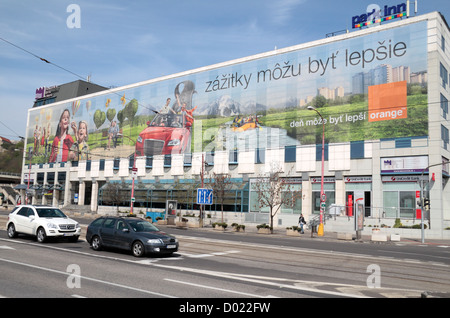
(224, 266)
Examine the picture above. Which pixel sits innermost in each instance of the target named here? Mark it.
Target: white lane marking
(4, 247)
(215, 288)
(207, 255)
(87, 278)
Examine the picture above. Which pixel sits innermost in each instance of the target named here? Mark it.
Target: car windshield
(50, 213)
(167, 120)
(142, 226)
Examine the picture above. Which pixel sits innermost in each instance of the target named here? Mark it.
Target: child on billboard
(63, 140)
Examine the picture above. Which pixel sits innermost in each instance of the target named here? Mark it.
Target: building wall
(345, 171)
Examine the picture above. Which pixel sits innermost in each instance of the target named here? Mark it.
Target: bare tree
(114, 194)
(221, 183)
(275, 191)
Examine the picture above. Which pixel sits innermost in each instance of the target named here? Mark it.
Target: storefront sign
(357, 179)
(400, 179)
(416, 164)
(325, 180)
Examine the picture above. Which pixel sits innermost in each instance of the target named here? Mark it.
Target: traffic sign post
(204, 196)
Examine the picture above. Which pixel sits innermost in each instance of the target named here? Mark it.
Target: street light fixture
(322, 193)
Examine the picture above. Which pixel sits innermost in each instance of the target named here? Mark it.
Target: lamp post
(322, 193)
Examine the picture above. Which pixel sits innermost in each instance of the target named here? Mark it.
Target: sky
(118, 43)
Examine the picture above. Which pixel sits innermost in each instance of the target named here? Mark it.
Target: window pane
(407, 204)
(390, 203)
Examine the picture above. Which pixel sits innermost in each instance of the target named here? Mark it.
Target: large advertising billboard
(365, 87)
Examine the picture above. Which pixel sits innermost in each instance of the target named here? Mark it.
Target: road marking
(87, 278)
(4, 247)
(216, 288)
(207, 255)
(260, 280)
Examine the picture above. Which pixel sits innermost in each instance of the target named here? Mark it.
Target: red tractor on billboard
(170, 130)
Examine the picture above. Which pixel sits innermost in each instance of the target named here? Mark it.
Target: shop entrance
(350, 201)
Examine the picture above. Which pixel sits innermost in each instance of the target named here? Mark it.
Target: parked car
(42, 222)
(130, 233)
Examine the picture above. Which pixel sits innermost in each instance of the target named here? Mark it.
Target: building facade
(382, 93)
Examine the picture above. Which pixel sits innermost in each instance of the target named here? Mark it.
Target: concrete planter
(181, 224)
(263, 231)
(290, 232)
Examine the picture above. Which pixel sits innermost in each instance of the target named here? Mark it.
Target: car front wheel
(40, 235)
(138, 249)
(12, 231)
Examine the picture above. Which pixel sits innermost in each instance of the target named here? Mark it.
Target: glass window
(328, 189)
(23, 212)
(102, 165)
(209, 158)
(403, 143)
(444, 76)
(233, 157)
(357, 149)
(148, 162)
(297, 206)
(187, 159)
(260, 155)
(407, 204)
(390, 203)
(444, 136)
(319, 152)
(290, 153)
(444, 106)
(116, 163)
(167, 161)
(109, 223)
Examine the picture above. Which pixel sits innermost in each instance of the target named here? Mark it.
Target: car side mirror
(31, 217)
(125, 230)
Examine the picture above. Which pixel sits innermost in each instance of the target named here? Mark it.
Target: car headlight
(173, 142)
(52, 226)
(78, 225)
(154, 241)
(139, 139)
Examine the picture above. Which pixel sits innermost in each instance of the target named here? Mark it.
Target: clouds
(283, 11)
(122, 43)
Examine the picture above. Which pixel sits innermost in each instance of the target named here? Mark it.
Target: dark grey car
(130, 233)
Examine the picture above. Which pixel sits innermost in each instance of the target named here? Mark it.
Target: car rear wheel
(41, 236)
(138, 249)
(96, 243)
(12, 231)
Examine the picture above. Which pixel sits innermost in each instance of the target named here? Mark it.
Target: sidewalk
(327, 236)
(281, 232)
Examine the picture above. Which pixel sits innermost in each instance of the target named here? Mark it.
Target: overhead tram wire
(66, 70)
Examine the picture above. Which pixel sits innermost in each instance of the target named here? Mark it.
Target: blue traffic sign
(204, 196)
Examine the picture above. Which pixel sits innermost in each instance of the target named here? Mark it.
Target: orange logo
(387, 101)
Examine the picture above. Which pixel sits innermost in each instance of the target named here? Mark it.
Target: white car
(43, 222)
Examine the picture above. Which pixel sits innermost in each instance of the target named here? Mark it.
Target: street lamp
(322, 194)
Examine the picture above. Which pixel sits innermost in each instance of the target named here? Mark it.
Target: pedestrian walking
(301, 222)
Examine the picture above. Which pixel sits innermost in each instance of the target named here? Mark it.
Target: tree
(221, 183)
(272, 189)
(114, 194)
(130, 110)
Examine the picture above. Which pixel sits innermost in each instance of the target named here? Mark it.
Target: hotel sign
(375, 14)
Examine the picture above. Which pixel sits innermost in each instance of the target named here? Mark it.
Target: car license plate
(171, 246)
(68, 234)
